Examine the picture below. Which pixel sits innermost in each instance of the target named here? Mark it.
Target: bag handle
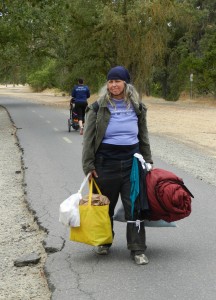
(84, 183)
(91, 190)
(97, 187)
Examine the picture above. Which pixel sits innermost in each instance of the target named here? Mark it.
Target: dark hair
(80, 81)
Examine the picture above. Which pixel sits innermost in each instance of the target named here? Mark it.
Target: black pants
(114, 180)
(80, 110)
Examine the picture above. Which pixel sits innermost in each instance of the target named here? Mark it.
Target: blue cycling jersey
(80, 93)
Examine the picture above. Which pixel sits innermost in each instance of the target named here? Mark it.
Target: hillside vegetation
(169, 46)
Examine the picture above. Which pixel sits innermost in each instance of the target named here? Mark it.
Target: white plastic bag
(69, 209)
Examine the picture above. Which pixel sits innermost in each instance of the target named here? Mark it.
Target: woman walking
(116, 129)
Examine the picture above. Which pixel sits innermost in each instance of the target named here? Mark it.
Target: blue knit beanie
(119, 73)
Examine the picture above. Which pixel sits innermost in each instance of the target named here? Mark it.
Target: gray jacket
(95, 127)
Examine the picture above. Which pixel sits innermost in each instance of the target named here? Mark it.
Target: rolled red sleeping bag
(169, 199)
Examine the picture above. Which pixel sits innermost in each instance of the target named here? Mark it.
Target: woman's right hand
(93, 174)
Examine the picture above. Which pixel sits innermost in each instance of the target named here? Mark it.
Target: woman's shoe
(102, 250)
(141, 259)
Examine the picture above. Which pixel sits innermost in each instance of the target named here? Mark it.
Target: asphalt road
(182, 260)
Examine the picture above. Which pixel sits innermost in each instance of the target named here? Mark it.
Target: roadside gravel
(19, 233)
(196, 162)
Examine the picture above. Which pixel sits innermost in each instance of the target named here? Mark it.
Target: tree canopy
(51, 43)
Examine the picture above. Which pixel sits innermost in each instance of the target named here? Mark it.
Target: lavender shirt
(123, 125)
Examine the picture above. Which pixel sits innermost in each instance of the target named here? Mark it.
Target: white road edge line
(67, 140)
(56, 129)
(47, 121)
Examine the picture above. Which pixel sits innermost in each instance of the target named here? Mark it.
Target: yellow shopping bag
(95, 226)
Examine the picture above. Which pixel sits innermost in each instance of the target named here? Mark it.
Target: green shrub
(43, 78)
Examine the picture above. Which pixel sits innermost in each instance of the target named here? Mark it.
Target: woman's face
(116, 88)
